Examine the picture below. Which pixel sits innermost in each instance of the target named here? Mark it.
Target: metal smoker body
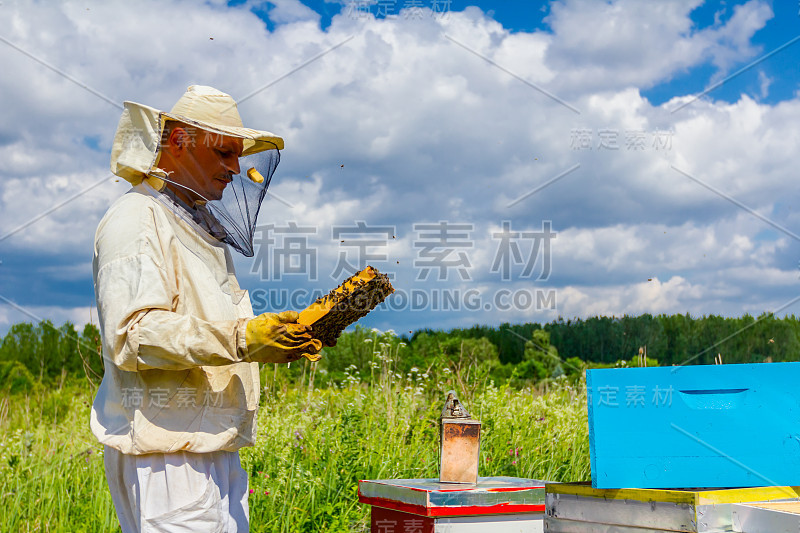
(459, 443)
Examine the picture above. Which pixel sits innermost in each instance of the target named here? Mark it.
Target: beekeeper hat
(137, 148)
(137, 143)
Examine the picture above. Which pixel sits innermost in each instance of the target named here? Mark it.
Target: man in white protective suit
(181, 346)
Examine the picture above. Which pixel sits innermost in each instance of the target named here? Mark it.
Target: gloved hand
(279, 338)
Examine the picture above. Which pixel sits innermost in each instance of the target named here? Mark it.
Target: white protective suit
(172, 319)
(178, 492)
(178, 396)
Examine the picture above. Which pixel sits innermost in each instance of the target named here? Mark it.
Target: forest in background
(515, 354)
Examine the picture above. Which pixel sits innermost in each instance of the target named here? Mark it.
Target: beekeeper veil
(140, 138)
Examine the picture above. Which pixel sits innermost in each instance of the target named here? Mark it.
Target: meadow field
(317, 438)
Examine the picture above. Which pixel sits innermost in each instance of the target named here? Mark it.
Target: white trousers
(178, 492)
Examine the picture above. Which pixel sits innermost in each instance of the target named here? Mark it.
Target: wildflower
(252, 491)
(413, 368)
(266, 493)
(367, 340)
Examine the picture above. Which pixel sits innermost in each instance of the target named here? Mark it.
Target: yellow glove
(279, 338)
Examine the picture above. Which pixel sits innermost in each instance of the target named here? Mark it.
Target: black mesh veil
(237, 211)
(212, 157)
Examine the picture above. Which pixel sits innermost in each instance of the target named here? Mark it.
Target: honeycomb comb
(350, 301)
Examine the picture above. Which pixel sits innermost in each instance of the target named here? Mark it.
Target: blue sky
(472, 118)
(781, 68)
(515, 16)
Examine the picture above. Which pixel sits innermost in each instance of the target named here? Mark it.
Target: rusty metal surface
(461, 446)
(459, 443)
(453, 408)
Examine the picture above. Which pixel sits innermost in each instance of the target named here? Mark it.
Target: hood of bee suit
(136, 150)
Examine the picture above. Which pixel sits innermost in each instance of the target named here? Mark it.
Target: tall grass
(314, 445)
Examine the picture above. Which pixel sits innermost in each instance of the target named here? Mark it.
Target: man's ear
(178, 140)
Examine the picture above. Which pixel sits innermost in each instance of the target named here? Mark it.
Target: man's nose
(233, 165)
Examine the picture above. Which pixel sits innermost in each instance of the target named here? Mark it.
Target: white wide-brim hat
(137, 143)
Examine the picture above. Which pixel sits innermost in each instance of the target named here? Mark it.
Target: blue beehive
(695, 426)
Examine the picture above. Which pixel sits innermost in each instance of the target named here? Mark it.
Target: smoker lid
(453, 408)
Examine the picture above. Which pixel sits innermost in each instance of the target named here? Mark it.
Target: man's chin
(218, 191)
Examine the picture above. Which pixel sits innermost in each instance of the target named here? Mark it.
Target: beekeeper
(180, 343)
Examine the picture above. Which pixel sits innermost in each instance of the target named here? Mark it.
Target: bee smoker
(459, 443)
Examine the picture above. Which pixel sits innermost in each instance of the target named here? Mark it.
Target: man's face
(202, 161)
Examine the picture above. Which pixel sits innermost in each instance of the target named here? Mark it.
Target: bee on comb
(350, 301)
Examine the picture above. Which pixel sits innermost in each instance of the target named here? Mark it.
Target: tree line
(42, 353)
(518, 353)
(671, 339)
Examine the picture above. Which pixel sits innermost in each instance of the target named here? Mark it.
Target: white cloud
(401, 125)
(731, 41)
(78, 316)
(65, 230)
(652, 297)
(764, 82)
(285, 11)
(626, 43)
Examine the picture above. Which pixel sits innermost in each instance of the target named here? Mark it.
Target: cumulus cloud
(616, 45)
(285, 11)
(78, 316)
(402, 121)
(652, 296)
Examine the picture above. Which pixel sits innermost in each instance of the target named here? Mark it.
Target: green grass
(313, 447)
